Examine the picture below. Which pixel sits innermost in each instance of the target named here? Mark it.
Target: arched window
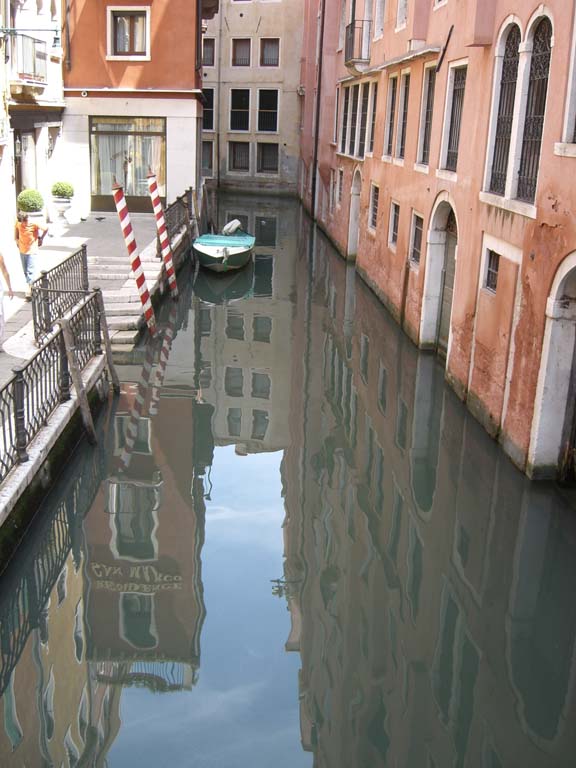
(535, 109)
(505, 111)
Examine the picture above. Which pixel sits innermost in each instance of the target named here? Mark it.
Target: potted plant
(30, 201)
(62, 194)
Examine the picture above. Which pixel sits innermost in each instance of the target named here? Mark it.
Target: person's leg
(24, 260)
(31, 268)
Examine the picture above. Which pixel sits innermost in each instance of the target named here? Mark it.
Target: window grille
(268, 110)
(375, 193)
(428, 113)
(345, 119)
(353, 119)
(373, 121)
(340, 184)
(404, 121)
(505, 112)
(363, 119)
(208, 47)
(269, 52)
(239, 158)
(240, 111)
(492, 271)
(208, 111)
(241, 52)
(267, 158)
(456, 117)
(391, 115)
(535, 108)
(416, 251)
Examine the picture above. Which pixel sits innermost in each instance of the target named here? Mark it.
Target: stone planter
(61, 205)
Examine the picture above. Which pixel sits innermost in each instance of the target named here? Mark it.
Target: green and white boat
(230, 250)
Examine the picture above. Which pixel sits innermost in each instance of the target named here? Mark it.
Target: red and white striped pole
(165, 246)
(137, 271)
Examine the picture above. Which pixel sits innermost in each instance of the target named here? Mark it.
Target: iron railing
(358, 38)
(57, 291)
(37, 388)
(31, 58)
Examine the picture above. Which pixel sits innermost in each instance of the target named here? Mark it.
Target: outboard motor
(232, 227)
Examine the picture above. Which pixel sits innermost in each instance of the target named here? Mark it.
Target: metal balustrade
(57, 291)
(37, 388)
(31, 58)
(357, 42)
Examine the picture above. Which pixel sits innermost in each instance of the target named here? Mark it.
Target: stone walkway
(108, 268)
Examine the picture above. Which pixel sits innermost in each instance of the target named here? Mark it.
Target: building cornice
(396, 61)
(151, 92)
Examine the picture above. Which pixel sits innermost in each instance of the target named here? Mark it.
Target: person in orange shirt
(28, 237)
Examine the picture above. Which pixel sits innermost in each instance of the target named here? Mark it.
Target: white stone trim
(110, 10)
(513, 206)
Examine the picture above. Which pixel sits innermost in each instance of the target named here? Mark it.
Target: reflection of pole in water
(167, 339)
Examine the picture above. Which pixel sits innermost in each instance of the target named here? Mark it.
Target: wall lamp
(14, 31)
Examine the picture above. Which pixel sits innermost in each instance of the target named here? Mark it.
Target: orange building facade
(444, 144)
(133, 98)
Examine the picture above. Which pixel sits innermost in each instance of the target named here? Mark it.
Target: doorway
(447, 292)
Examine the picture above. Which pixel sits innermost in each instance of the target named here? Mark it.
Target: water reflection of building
(52, 710)
(144, 536)
(428, 578)
(244, 348)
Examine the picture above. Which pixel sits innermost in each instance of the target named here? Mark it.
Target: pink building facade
(444, 138)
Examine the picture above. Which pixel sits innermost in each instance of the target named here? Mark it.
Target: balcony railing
(358, 36)
(31, 58)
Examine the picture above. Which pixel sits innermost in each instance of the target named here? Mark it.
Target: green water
(292, 546)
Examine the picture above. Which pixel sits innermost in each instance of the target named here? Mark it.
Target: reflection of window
(264, 271)
(415, 571)
(207, 155)
(137, 620)
(125, 148)
(61, 586)
(265, 231)
(262, 328)
(205, 377)
(261, 385)
(402, 424)
(235, 326)
(242, 218)
(364, 355)
(234, 382)
(239, 156)
(142, 436)
(48, 706)
(260, 421)
(127, 33)
(132, 508)
(234, 419)
(205, 322)
(83, 715)
(78, 632)
(12, 726)
(72, 750)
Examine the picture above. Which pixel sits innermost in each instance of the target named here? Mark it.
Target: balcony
(29, 64)
(357, 48)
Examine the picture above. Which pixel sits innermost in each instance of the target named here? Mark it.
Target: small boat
(217, 289)
(232, 249)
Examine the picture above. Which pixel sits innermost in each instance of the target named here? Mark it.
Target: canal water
(292, 546)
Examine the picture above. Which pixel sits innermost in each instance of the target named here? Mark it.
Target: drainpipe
(317, 110)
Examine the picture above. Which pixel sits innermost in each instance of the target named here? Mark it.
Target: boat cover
(229, 241)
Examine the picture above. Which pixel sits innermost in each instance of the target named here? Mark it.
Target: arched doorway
(353, 224)
(442, 245)
(553, 437)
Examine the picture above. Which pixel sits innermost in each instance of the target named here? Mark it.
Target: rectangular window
(207, 158)
(267, 158)
(208, 111)
(239, 156)
(241, 52)
(401, 13)
(458, 86)
(353, 119)
(129, 33)
(240, 109)
(391, 113)
(416, 249)
(269, 52)
(428, 111)
(268, 110)
(336, 115)
(233, 382)
(394, 219)
(404, 96)
(121, 148)
(379, 18)
(373, 118)
(242, 218)
(374, 194)
(265, 231)
(363, 119)
(492, 271)
(345, 120)
(208, 50)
